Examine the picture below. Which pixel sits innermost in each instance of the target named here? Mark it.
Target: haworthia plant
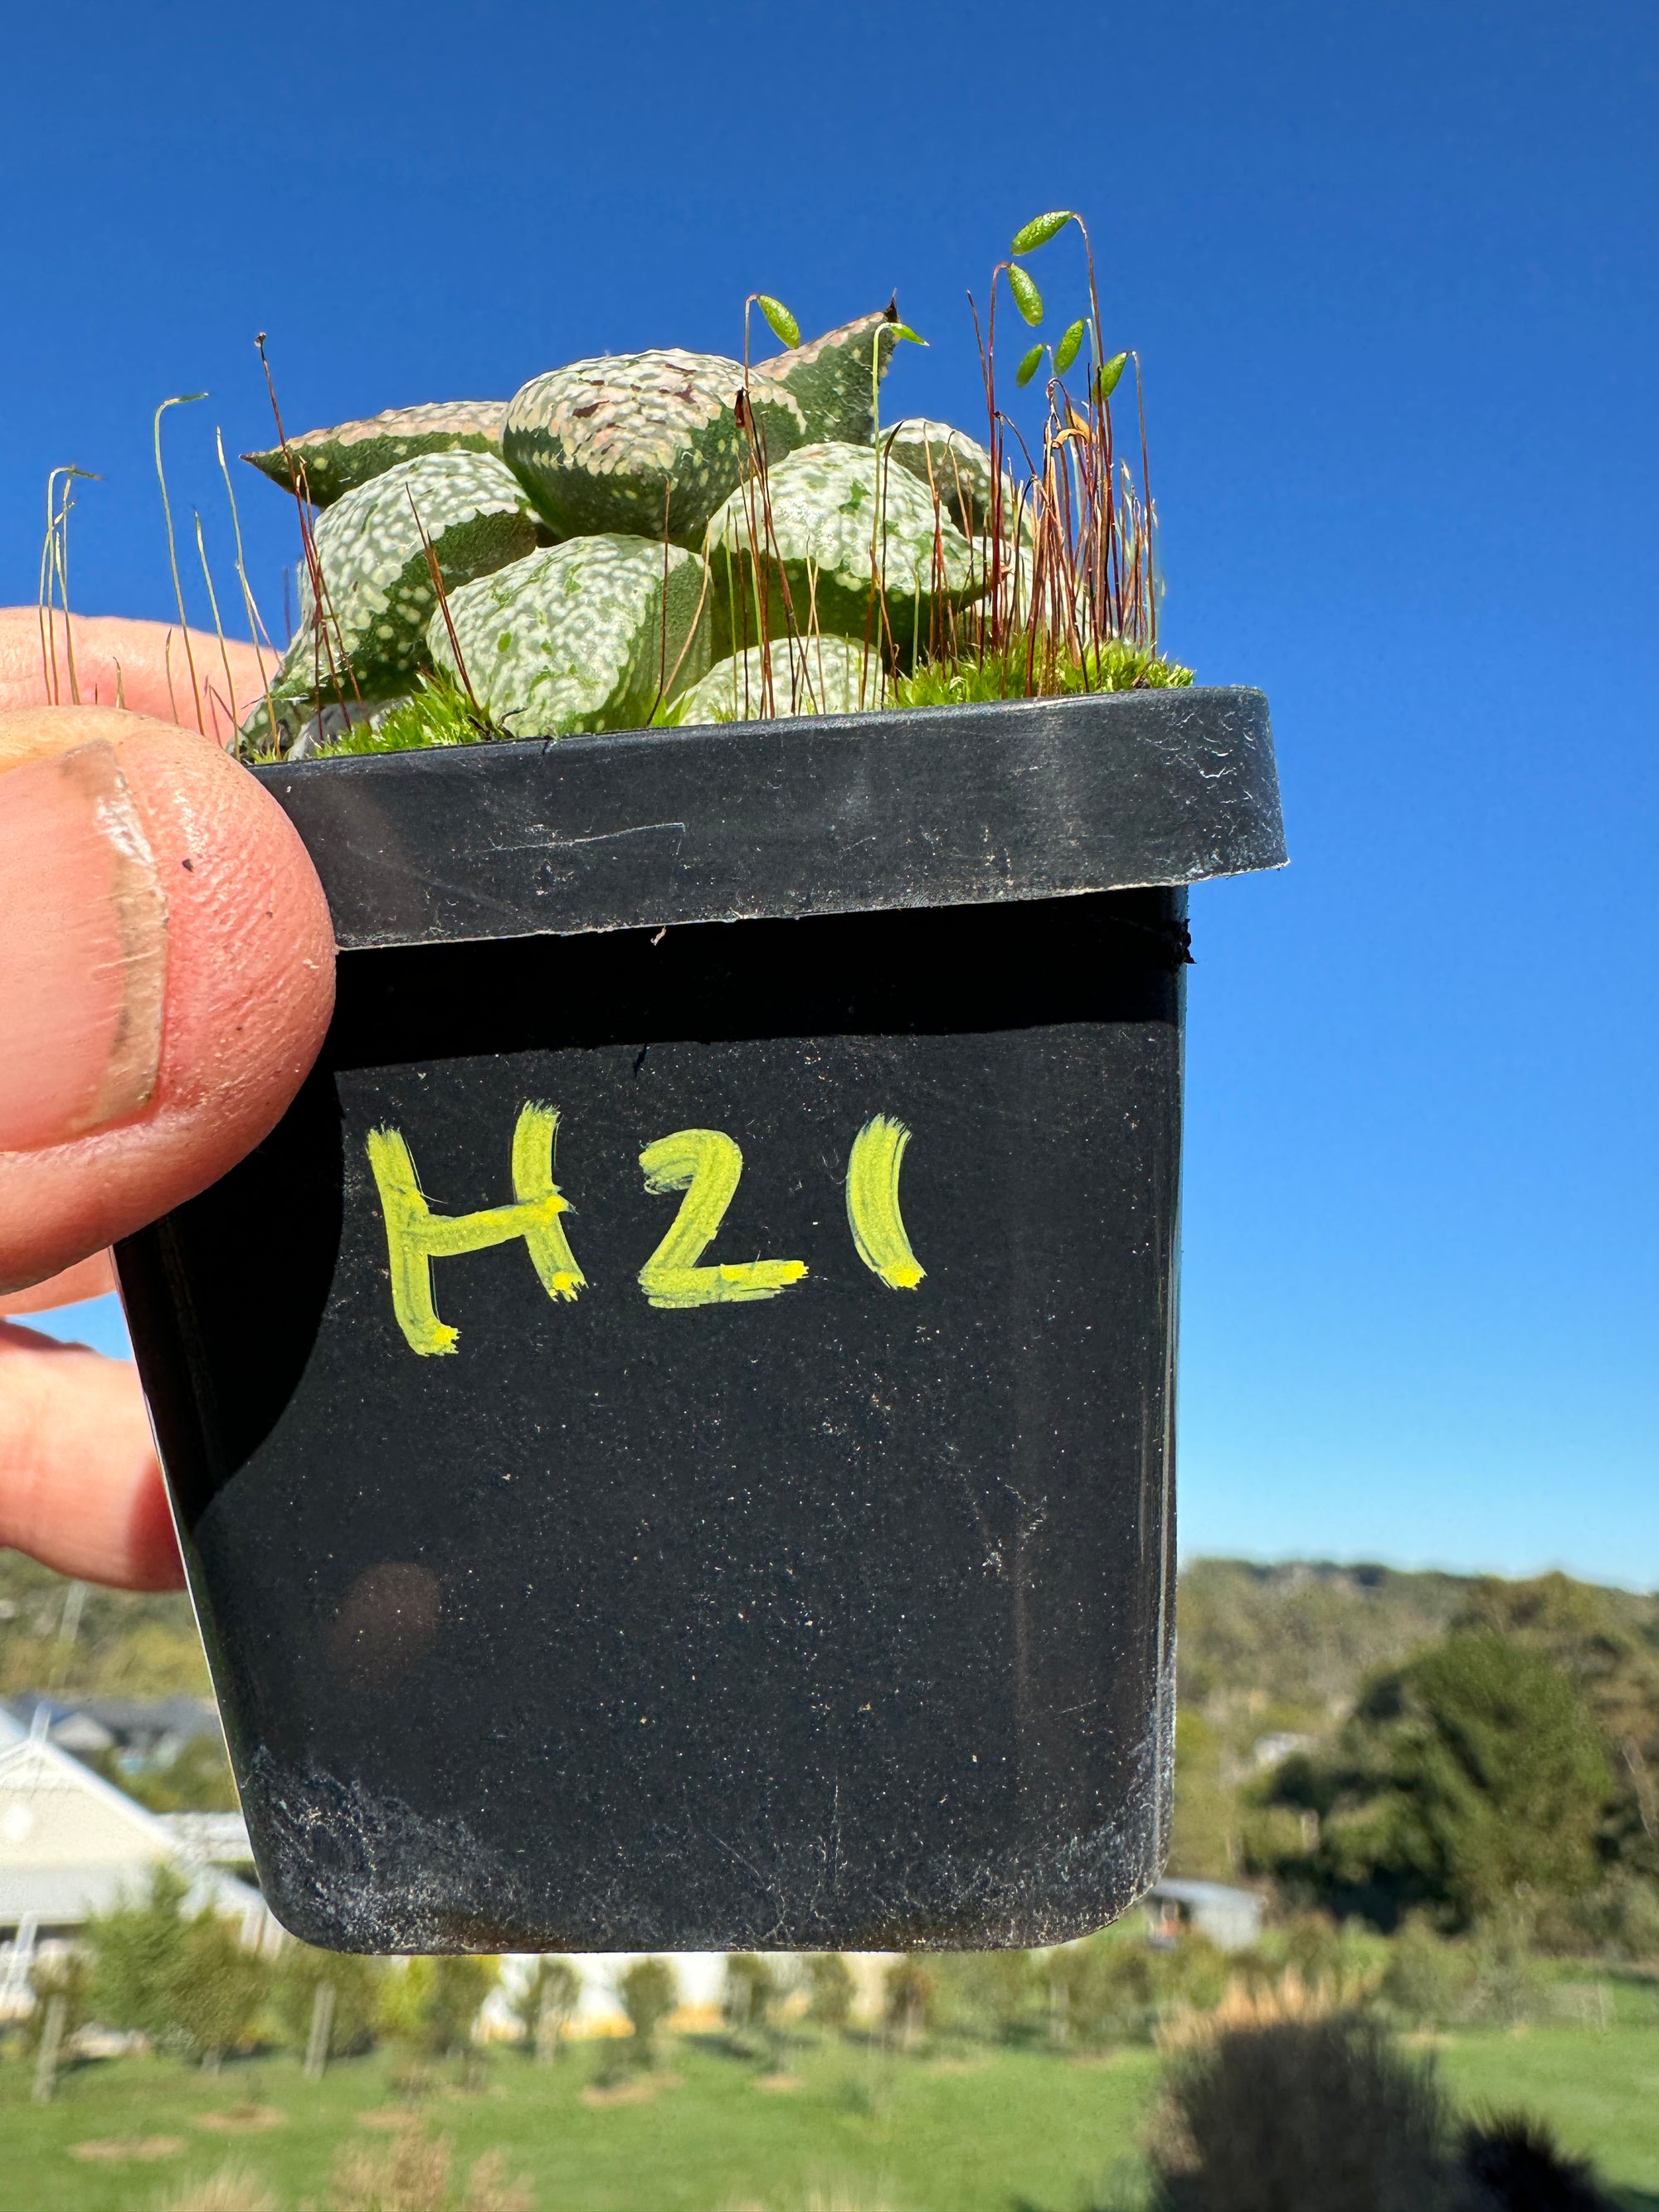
(818, 559)
(337, 461)
(377, 584)
(960, 468)
(586, 635)
(636, 443)
(830, 378)
(809, 676)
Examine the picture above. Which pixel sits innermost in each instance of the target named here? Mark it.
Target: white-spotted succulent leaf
(378, 590)
(585, 636)
(960, 468)
(830, 378)
(631, 441)
(337, 461)
(817, 562)
(809, 676)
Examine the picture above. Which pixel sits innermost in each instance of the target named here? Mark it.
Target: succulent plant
(957, 465)
(586, 636)
(337, 461)
(816, 565)
(808, 676)
(372, 550)
(638, 443)
(650, 442)
(831, 381)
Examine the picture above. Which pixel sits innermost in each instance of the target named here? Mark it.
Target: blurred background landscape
(1422, 1802)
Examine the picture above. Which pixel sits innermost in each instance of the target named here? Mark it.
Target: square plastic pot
(671, 1435)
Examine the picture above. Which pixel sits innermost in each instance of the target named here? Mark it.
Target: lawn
(971, 2131)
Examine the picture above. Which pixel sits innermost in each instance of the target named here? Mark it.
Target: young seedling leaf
(1069, 346)
(1040, 230)
(1028, 367)
(785, 328)
(1110, 374)
(1027, 298)
(903, 330)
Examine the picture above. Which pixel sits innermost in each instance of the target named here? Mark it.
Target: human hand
(166, 977)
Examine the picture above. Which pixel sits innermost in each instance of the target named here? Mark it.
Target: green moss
(1018, 673)
(438, 713)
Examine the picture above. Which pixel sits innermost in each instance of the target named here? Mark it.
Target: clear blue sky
(1391, 270)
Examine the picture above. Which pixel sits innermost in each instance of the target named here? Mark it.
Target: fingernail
(83, 943)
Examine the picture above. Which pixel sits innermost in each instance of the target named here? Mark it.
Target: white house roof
(70, 1842)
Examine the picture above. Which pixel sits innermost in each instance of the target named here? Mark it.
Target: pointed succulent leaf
(378, 592)
(337, 461)
(1028, 367)
(1040, 230)
(1069, 346)
(609, 446)
(1110, 374)
(586, 636)
(785, 328)
(828, 379)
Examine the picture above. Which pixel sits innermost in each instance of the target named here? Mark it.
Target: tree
(1614, 1664)
(356, 1983)
(909, 1988)
(452, 1994)
(217, 1990)
(136, 1948)
(829, 1991)
(748, 1992)
(649, 1993)
(989, 1993)
(544, 2003)
(1471, 1780)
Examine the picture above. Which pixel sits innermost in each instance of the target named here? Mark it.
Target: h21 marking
(706, 1164)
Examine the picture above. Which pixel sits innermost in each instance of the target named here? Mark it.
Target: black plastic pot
(788, 1564)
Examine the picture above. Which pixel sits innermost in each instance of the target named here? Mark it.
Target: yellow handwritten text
(872, 1203)
(416, 1237)
(705, 1164)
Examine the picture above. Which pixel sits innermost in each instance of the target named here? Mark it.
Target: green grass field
(977, 2130)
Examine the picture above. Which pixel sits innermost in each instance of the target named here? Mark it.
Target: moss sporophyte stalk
(667, 538)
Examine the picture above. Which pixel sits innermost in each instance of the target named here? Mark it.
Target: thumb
(166, 976)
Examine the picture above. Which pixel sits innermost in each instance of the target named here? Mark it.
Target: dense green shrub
(298, 1974)
(433, 2004)
(994, 1994)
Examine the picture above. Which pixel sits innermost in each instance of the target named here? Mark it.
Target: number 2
(706, 1164)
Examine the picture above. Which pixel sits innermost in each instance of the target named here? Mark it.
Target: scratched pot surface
(599, 1554)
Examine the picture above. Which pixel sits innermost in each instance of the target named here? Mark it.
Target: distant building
(141, 1731)
(71, 1845)
(1230, 1919)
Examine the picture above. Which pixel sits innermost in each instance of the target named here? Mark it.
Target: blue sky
(1391, 271)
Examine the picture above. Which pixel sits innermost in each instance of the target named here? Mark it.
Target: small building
(1230, 1919)
(71, 1845)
